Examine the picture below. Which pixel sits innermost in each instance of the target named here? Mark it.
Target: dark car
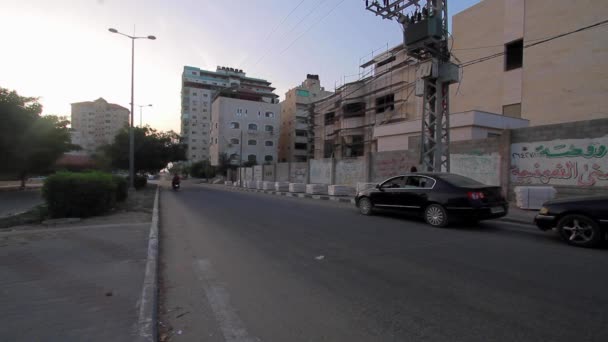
(580, 221)
(439, 197)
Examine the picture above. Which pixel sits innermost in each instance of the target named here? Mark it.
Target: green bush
(122, 187)
(70, 194)
(140, 181)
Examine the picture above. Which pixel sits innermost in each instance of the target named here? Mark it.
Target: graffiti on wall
(388, 164)
(582, 162)
(484, 168)
(268, 173)
(350, 171)
(320, 171)
(298, 172)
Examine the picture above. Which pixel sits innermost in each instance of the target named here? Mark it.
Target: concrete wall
(249, 173)
(258, 172)
(387, 164)
(268, 173)
(350, 171)
(283, 172)
(320, 171)
(298, 172)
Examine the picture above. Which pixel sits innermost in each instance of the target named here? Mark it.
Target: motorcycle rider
(175, 180)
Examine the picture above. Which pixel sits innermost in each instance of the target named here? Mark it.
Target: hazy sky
(61, 50)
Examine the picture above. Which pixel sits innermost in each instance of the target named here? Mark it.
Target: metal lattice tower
(425, 37)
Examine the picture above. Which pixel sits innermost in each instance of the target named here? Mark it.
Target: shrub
(69, 194)
(140, 181)
(122, 187)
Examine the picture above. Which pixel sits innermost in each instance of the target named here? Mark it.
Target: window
(193, 140)
(252, 158)
(107, 121)
(235, 125)
(269, 143)
(301, 133)
(269, 128)
(355, 148)
(194, 116)
(419, 182)
(234, 141)
(193, 125)
(193, 132)
(252, 142)
(300, 146)
(216, 140)
(268, 158)
(194, 94)
(204, 110)
(514, 55)
(194, 103)
(216, 125)
(512, 110)
(394, 183)
(259, 113)
(354, 109)
(330, 118)
(205, 95)
(194, 147)
(193, 156)
(252, 127)
(269, 114)
(384, 103)
(194, 109)
(493, 135)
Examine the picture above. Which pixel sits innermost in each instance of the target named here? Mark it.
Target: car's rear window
(458, 180)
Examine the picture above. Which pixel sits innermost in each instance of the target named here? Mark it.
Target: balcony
(301, 139)
(300, 125)
(302, 114)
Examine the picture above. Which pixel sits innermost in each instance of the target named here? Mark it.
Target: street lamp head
(150, 105)
(151, 37)
(113, 30)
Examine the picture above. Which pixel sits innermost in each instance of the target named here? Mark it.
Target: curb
(148, 305)
(16, 188)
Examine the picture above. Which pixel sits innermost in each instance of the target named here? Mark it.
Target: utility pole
(425, 38)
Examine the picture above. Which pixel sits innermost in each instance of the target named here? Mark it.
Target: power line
(311, 26)
(291, 30)
(542, 41)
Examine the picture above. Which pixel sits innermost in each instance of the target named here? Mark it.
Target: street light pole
(140, 107)
(131, 134)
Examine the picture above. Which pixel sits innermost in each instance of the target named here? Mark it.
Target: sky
(62, 52)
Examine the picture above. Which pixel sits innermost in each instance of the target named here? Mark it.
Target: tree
(29, 143)
(202, 169)
(153, 149)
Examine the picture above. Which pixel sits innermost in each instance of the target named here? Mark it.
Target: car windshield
(459, 180)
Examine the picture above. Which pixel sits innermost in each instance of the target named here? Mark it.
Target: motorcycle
(175, 186)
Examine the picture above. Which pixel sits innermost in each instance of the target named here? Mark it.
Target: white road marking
(231, 325)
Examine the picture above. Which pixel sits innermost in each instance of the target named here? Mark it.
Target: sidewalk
(75, 282)
(515, 214)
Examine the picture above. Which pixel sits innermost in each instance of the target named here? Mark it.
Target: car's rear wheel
(436, 215)
(579, 230)
(365, 206)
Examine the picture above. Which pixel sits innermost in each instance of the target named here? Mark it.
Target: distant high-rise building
(96, 123)
(295, 142)
(199, 88)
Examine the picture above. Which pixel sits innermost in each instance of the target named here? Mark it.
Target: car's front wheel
(365, 206)
(436, 215)
(579, 230)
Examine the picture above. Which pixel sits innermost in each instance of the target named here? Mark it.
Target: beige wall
(97, 123)
(563, 80)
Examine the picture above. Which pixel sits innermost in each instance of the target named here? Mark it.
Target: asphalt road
(13, 202)
(242, 266)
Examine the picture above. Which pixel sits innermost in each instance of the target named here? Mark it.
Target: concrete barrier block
(267, 185)
(281, 186)
(251, 184)
(259, 185)
(341, 190)
(297, 187)
(364, 186)
(316, 189)
(229, 183)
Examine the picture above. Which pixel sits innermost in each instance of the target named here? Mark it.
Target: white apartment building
(246, 130)
(96, 123)
(199, 87)
(295, 143)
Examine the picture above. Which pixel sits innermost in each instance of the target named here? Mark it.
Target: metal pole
(140, 124)
(131, 133)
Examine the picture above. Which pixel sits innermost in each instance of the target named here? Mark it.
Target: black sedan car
(580, 221)
(439, 197)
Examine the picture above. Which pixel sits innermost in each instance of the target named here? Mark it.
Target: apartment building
(296, 140)
(96, 123)
(199, 87)
(245, 127)
(533, 76)
(380, 112)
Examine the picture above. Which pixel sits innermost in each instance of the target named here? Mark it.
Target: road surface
(240, 266)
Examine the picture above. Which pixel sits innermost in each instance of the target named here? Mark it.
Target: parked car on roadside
(580, 221)
(439, 197)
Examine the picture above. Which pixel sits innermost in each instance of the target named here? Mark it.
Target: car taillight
(475, 195)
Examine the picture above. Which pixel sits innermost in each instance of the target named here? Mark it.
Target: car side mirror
(379, 187)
